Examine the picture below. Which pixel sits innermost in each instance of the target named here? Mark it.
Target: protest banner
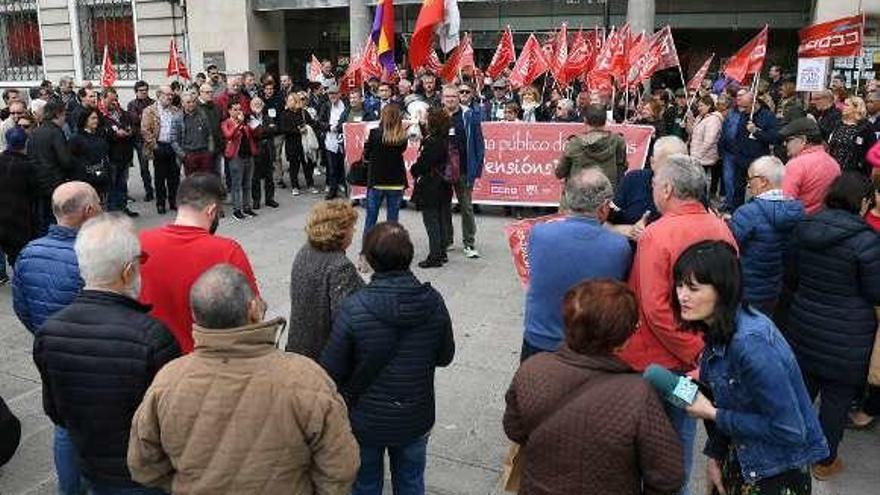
(812, 74)
(520, 159)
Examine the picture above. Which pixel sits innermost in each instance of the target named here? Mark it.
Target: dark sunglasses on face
(464, 91)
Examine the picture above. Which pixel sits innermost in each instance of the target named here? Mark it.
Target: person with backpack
(434, 174)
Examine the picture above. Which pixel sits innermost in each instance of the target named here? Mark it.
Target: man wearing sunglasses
(82, 350)
(17, 110)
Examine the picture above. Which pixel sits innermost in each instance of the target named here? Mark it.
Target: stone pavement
(486, 303)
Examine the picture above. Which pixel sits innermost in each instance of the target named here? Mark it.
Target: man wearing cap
(811, 170)
(331, 116)
(493, 109)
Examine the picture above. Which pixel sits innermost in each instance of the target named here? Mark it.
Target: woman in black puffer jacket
(832, 322)
(90, 150)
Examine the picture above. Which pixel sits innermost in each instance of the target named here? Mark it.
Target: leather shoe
(430, 263)
(272, 203)
(130, 213)
(824, 472)
(160, 209)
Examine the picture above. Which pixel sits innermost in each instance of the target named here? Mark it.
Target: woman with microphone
(763, 431)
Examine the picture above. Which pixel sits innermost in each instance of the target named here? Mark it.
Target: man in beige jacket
(237, 415)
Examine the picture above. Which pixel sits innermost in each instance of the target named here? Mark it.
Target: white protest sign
(812, 74)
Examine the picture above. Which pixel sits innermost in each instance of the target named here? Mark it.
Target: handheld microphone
(680, 391)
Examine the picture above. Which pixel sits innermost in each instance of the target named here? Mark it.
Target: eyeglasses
(25, 127)
(753, 177)
(464, 91)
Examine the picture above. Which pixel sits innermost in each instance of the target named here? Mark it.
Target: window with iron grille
(21, 56)
(107, 23)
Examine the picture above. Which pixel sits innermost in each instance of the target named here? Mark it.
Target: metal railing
(21, 54)
(110, 23)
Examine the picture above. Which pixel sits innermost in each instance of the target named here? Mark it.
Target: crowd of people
(162, 374)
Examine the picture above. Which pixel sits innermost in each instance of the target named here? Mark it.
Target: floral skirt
(792, 482)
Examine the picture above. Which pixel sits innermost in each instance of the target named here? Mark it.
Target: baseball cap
(16, 138)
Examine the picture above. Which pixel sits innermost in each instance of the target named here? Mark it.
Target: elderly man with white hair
(762, 228)
(633, 205)
(98, 355)
(161, 128)
(677, 189)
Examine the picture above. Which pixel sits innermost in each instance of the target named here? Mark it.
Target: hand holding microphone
(680, 391)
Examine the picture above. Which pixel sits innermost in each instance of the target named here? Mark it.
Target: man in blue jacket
(46, 280)
(763, 229)
(467, 134)
(744, 138)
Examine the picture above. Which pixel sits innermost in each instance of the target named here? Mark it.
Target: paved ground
(486, 303)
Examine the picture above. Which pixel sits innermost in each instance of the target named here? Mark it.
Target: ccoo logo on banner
(838, 38)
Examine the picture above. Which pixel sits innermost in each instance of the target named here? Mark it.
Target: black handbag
(98, 173)
(357, 174)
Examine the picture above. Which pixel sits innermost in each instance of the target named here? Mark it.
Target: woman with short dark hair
(581, 406)
(90, 151)
(321, 276)
(387, 340)
(832, 323)
(763, 431)
(432, 191)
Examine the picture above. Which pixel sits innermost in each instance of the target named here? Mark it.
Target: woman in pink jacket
(705, 133)
(873, 159)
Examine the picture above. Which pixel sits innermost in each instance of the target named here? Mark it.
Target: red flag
(530, 65)
(352, 79)
(697, 80)
(108, 72)
(176, 67)
(505, 54)
(838, 38)
(430, 15)
(370, 66)
(433, 63)
(560, 56)
(314, 69)
(612, 58)
(749, 59)
(580, 57)
(657, 53)
(461, 57)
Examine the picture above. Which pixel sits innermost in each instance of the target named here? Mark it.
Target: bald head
(222, 298)
(75, 202)
(587, 192)
(164, 94)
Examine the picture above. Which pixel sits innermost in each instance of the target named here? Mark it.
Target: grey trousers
(241, 171)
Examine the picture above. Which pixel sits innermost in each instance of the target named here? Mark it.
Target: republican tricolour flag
(383, 33)
(440, 16)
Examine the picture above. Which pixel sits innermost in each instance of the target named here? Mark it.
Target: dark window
(21, 57)
(107, 23)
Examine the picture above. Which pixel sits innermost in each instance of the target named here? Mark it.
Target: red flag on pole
(580, 57)
(505, 54)
(314, 69)
(352, 79)
(749, 59)
(176, 67)
(370, 66)
(530, 65)
(461, 57)
(467, 52)
(108, 72)
(657, 53)
(612, 60)
(559, 58)
(697, 80)
(433, 63)
(837, 38)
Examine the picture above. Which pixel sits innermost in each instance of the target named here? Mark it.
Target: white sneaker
(315, 190)
(294, 192)
(317, 172)
(470, 252)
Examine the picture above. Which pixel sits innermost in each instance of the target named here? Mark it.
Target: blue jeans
(686, 428)
(734, 184)
(67, 464)
(407, 469)
(374, 202)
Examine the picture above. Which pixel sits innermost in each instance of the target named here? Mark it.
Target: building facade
(47, 39)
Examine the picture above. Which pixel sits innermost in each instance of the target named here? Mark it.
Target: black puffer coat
(832, 322)
(399, 316)
(97, 357)
(18, 193)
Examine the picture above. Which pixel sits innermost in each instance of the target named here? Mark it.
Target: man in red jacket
(180, 252)
(659, 339)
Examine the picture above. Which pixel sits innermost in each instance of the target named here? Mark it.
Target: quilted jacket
(239, 416)
(97, 357)
(762, 228)
(832, 322)
(394, 315)
(46, 277)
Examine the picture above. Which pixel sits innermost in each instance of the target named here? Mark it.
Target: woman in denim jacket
(763, 431)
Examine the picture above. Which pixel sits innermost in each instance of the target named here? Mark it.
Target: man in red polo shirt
(180, 252)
